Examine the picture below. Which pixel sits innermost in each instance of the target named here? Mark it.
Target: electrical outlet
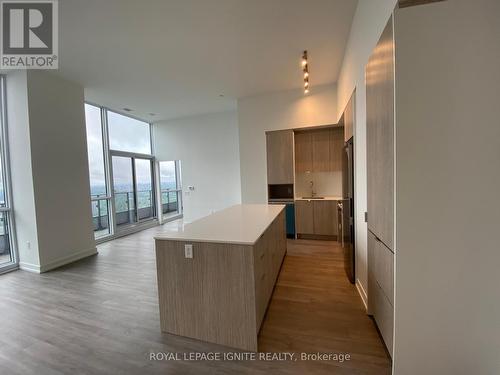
(188, 251)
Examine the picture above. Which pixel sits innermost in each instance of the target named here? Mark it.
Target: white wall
(369, 21)
(23, 197)
(276, 111)
(207, 146)
(447, 184)
(52, 194)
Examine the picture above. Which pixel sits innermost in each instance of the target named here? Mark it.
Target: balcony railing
(170, 201)
(125, 208)
(4, 239)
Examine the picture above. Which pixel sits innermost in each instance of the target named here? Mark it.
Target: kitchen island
(216, 275)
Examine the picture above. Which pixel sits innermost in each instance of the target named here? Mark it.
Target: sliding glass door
(144, 189)
(123, 191)
(133, 190)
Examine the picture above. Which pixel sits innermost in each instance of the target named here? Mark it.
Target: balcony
(125, 209)
(5, 253)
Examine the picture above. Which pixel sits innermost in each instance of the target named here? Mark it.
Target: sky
(125, 134)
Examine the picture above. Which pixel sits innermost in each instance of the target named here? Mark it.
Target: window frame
(150, 128)
(8, 209)
(178, 189)
(116, 231)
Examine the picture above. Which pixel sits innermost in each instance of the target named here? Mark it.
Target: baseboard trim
(68, 259)
(29, 267)
(362, 293)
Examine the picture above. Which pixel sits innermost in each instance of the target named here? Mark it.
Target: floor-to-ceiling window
(99, 189)
(170, 188)
(8, 254)
(122, 175)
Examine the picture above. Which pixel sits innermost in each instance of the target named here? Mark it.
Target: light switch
(188, 251)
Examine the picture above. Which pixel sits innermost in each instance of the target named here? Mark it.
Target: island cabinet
(216, 275)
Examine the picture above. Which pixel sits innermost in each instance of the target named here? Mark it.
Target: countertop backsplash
(324, 184)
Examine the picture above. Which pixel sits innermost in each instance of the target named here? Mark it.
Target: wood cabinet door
(380, 138)
(325, 217)
(320, 150)
(303, 152)
(304, 217)
(336, 149)
(279, 157)
(349, 118)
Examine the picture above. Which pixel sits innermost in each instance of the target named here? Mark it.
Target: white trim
(58, 262)
(29, 267)
(362, 293)
(68, 259)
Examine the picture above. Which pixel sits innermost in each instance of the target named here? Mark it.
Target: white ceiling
(175, 57)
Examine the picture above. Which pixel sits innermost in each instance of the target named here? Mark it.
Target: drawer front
(384, 270)
(383, 313)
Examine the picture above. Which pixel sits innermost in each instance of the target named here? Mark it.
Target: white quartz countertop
(241, 224)
(327, 198)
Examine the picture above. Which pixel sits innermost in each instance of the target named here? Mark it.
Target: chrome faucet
(311, 183)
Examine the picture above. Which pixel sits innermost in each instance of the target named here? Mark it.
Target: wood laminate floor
(100, 316)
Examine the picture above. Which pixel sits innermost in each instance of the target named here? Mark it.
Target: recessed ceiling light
(127, 109)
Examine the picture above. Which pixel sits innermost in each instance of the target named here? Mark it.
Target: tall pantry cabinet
(380, 128)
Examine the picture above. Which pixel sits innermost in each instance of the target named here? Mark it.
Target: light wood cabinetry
(316, 217)
(279, 157)
(303, 152)
(325, 217)
(319, 150)
(380, 138)
(336, 148)
(380, 170)
(221, 294)
(349, 118)
(381, 287)
(304, 217)
(268, 255)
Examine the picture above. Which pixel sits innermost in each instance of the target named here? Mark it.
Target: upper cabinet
(318, 150)
(321, 150)
(279, 157)
(303, 152)
(348, 118)
(336, 148)
(380, 138)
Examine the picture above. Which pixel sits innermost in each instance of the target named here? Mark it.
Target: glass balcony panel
(100, 218)
(5, 250)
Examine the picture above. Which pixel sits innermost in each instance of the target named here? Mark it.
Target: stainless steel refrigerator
(347, 210)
